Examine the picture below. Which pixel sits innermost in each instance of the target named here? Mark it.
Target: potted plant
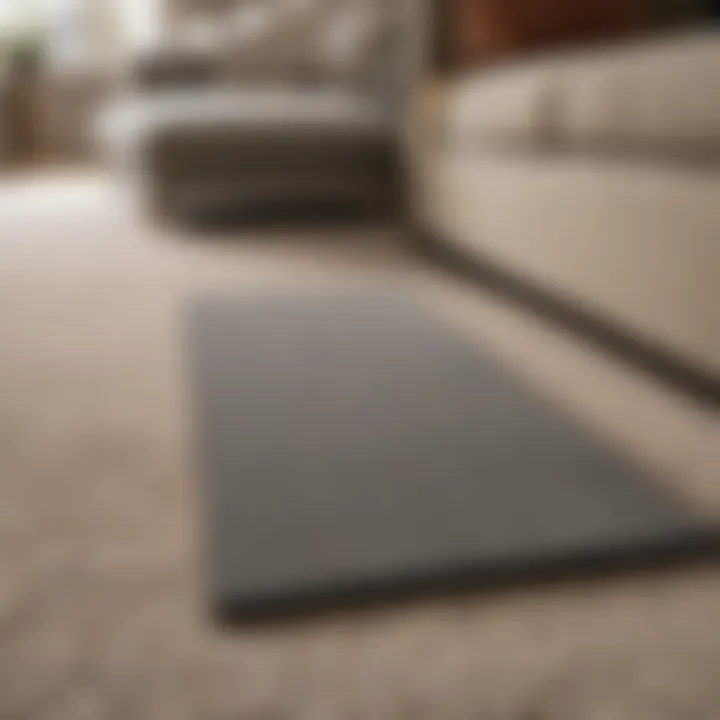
(22, 56)
(22, 59)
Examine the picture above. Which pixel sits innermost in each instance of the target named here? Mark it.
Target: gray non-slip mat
(354, 444)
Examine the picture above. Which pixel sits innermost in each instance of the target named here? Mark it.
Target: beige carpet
(100, 607)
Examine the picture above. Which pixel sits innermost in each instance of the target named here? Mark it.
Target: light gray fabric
(359, 43)
(352, 441)
(352, 43)
(250, 110)
(368, 44)
(371, 45)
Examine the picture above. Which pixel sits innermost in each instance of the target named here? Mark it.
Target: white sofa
(594, 175)
(313, 112)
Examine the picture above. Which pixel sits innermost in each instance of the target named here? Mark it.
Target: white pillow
(349, 40)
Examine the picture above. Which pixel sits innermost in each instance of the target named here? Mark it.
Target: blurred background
(545, 174)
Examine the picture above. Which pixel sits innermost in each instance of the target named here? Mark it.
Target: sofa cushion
(175, 67)
(512, 105)
(339, 43)
(659, 96)
(251, 115)
(351, 42)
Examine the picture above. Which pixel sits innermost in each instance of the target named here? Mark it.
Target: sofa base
(673, 371)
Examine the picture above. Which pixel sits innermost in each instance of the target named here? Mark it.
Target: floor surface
(100, 607)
